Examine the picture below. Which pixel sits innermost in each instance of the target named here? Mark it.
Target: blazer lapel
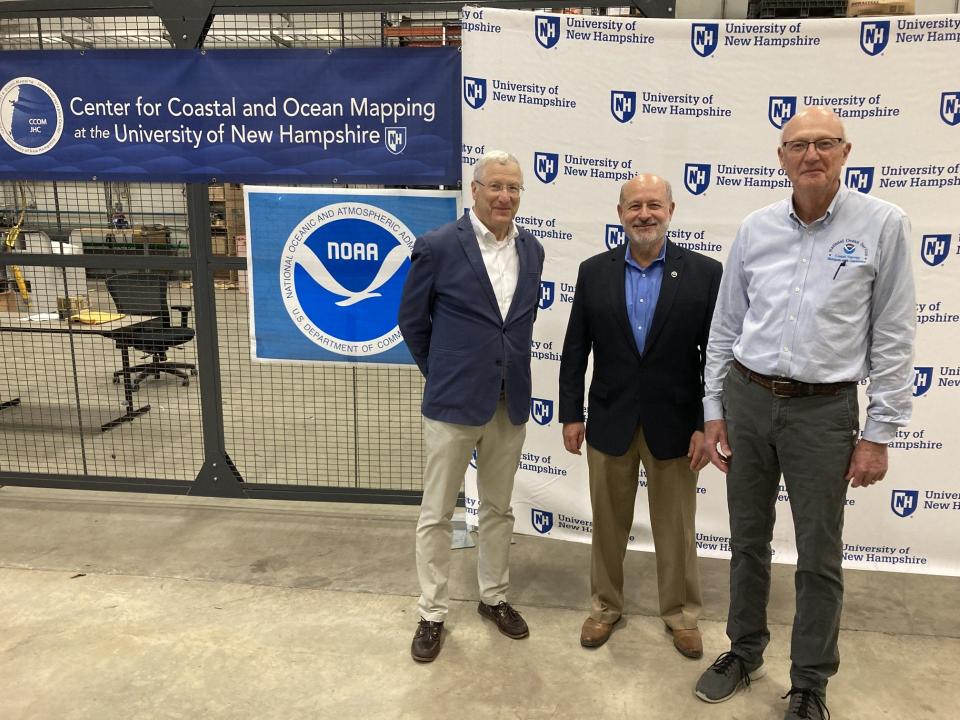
(468, 240)
(672, 277)
(523, 267)
(616, 280)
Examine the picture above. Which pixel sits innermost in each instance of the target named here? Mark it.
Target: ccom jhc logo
(31, 116)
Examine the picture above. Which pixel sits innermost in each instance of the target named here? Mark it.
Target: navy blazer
(661, 390)
(452, 325)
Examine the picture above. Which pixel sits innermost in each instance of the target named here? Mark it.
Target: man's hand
(573, 437)
(698, 458)
(714, 434)
(868, 463)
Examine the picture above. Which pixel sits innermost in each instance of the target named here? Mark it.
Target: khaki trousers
(672, 496)
(448, 450)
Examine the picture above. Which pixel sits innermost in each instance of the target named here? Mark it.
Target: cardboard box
(870, 8)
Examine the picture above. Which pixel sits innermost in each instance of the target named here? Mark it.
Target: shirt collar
(484, 234)
(660, 258)
(842, 192)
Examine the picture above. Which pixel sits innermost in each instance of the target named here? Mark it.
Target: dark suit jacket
(451, 323)
(663, 389)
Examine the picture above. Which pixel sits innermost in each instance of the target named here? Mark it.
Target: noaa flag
(704, 38)
(874, 36)
(623, 105)
(328, 266)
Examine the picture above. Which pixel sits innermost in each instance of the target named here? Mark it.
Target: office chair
(143, 293)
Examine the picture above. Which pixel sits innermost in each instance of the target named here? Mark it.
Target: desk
(111, 330)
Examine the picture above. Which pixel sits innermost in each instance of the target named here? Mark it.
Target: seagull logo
(315, 268)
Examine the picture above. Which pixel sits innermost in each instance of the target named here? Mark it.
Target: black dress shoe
(427, 641)
(507, 619)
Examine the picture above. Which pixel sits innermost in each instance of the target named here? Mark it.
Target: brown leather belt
(786, 388)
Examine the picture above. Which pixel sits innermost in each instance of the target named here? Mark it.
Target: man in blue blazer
(467, 315)
(644, 311)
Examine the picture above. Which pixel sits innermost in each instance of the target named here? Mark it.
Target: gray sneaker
(805, 704)
(728, 674)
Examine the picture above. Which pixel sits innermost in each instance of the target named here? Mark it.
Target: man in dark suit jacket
(644, 311)
(467, 315)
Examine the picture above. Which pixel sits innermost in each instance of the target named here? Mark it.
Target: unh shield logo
(395, 139)
(546, 166)
(704, 37)
(950, 107)
(904, 502)
(780, 109)
(696, 177)
(614, 236)
(541, 410)
(542, 520)
(474, 91)
(546, 294)
(623, 105)
(922, 380)
(547, 30)
(874, 36)
(935, 248)
(859, 178)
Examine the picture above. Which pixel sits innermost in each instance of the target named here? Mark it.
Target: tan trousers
(672, 496)
(448, 450)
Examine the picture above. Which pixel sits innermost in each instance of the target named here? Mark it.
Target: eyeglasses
(823, 145)
(497, 188)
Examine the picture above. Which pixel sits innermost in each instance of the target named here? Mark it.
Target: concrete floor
(140, 606)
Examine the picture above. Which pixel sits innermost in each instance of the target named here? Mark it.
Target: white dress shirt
(501, 260)
(827, 302)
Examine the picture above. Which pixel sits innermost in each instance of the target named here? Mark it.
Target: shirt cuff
(712, 409)
(879, 432)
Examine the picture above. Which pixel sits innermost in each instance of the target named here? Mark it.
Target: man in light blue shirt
(817, 295)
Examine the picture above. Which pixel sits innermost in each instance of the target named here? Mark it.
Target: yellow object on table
(95, 317)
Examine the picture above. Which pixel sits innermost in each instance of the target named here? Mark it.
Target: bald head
(646, 181)
(813, 118)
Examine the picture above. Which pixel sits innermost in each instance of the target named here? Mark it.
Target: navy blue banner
(387, 116)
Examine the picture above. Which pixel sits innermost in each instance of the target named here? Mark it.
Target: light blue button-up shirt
(831, 301)
(642, 286)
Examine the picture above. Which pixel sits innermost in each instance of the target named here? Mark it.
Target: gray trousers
(809, 440)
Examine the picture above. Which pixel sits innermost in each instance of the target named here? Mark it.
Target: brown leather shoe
(688, 643)
(427, 641)
(507, 619)
(594, 633)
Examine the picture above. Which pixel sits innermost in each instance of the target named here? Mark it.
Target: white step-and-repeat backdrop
(585, 102)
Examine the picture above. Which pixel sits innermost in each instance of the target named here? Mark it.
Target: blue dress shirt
(642, 286)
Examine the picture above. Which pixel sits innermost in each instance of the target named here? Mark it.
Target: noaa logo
(623, 105)
(395, 138)
(547, 294)
(874, 36)
(904, 502)
(546, 166)
(922, 380)
(696, 177)
(859, 179)
(780, 109)
(614, 236)
(704, 38)
(341, 279)
(547, 30)
(950, 107)
(935, 248)
(474, 91)
(541, 410)
(31, 116)
(542, 520)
